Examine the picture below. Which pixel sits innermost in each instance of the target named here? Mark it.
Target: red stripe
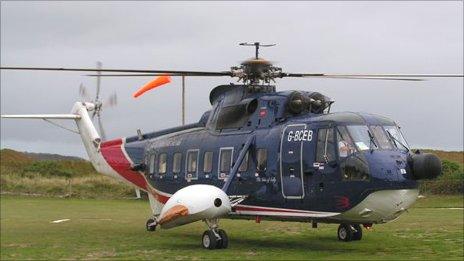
(111, 143)
(113, 154)
(160, 198)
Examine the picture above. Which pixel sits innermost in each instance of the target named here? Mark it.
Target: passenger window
(192, 165)
(192, 161)
(152, 163)
(208, 162)
(244, 166)
(325, 149)
(261, 160)
(225, 162)
(176, 163)
(162, 163)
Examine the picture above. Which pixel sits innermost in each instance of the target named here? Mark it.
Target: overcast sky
(330, 37)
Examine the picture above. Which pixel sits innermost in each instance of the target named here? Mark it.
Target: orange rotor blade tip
(158, 81)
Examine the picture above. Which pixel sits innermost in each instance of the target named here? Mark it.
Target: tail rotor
(111, 101)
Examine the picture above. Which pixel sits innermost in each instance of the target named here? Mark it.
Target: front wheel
(345, 233)
(357, 234)
(209, 240)
(224, 241)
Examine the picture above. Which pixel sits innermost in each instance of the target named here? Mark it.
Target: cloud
(356, 37)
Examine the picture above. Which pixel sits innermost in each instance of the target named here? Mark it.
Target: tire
(224, 241)
(357, 235)
(345, 233)
(149, 225)
(209, 240)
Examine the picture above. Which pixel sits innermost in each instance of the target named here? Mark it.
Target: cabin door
(291, 160)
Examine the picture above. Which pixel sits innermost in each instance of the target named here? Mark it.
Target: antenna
(256, 45)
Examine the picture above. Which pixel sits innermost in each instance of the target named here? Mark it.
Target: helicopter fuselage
(328, 167)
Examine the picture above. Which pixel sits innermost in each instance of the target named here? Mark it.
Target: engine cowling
(193, 203)
(425, 166)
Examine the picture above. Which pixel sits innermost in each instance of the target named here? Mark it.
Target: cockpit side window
(325, 149)
(345, 143)
(381, 137)
(353, 164)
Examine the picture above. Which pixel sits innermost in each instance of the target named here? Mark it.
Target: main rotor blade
(369, 78)
(189, 73)
(155, 74)
(322, 75)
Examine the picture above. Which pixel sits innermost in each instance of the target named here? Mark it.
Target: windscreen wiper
(396, 141)
(371, 141)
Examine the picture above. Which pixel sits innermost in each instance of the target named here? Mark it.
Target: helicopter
(261, 154)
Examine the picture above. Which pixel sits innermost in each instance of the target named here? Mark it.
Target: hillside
(48, 156)
(55, 175)
(456, 156)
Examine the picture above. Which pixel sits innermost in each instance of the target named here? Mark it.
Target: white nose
(381, 206)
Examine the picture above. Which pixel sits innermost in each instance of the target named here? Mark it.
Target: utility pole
(183, 99)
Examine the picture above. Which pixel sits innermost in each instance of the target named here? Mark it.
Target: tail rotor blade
(112, 101)
(99, 66)
(84, 93)
(100, 127)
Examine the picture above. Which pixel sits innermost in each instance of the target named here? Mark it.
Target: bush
(452, 170)
(445, 186)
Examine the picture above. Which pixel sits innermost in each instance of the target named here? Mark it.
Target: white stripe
(287, 209)
(284, 214)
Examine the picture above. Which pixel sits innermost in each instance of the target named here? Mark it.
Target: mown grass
(114, 229)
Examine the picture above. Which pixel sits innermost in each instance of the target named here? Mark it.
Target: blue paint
(302, 183)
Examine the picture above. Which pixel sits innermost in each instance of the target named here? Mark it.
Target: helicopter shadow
(298, 243)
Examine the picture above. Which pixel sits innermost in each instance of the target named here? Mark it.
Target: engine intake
(425, 166)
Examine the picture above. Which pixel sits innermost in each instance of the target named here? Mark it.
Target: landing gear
(348, 232)
(151, 224)
(214, 238)
(357, 235)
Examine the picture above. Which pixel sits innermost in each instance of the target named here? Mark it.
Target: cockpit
(352, 138)
(362, 146)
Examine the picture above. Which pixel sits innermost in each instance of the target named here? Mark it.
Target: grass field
(114, 229)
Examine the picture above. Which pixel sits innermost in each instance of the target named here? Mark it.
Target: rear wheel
(345, 233)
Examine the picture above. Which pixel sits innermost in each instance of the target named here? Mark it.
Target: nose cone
(193, 203)
(425, 166)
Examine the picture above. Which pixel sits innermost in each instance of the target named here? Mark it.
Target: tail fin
(90, 137)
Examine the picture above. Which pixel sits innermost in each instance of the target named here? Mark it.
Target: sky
(314, 37)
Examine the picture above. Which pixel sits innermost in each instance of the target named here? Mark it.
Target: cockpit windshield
(394, 134)
(381, 137)
(352, 138)
(361, 137)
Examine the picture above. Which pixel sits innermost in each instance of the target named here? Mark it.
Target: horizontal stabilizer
(43, 116)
